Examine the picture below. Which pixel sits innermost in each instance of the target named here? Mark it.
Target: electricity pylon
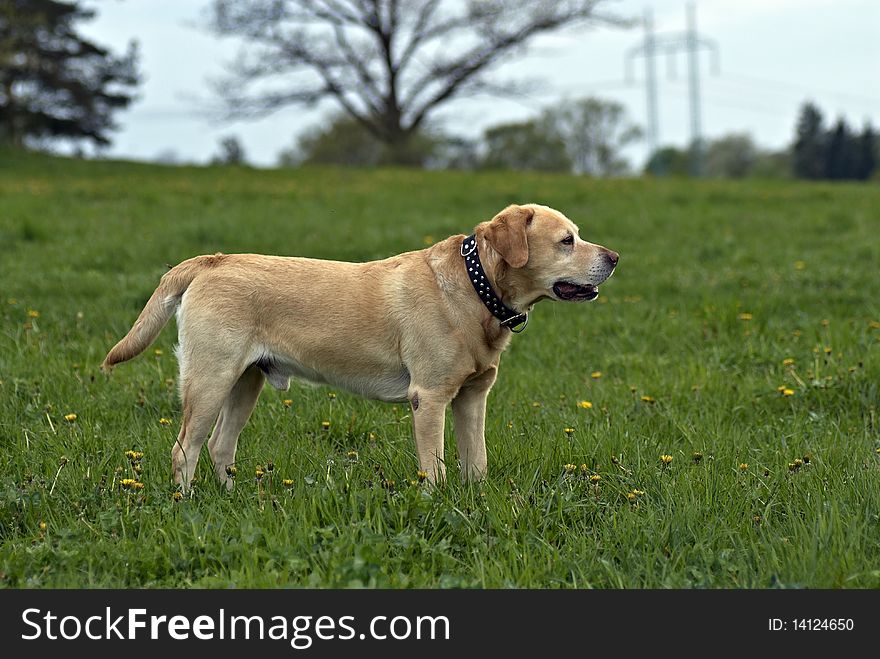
(652, 46)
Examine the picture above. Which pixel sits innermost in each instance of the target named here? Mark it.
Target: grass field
(727, 294)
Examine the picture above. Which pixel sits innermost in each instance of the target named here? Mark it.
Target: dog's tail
(160, 307)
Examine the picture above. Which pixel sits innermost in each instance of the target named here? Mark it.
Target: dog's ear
(506, 233)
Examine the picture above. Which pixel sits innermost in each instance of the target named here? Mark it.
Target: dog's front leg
(429, 418)
(469, 414)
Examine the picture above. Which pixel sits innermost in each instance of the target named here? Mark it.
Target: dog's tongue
(567, 289)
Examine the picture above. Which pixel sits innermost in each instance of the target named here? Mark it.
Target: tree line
(583, 136)
(836, 153)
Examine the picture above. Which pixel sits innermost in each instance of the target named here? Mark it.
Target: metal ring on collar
(519, 327)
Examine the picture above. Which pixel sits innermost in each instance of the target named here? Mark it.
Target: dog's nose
(613, 257)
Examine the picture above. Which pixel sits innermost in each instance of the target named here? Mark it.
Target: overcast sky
(774, 54)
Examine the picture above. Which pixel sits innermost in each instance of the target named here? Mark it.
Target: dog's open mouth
(565, 290)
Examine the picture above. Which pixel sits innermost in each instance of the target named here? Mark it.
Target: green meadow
(739, 338)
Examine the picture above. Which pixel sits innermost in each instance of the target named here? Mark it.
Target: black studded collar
(512, 320)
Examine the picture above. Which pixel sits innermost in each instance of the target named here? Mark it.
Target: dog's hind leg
(233, 417)
(204, 393)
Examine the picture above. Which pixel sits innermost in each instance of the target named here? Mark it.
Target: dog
(426, 327)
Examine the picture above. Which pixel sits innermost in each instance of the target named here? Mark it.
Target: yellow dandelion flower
(177, 496)
(570, 468)
(781, 388)
(423, 476)
(428, 240)
(874, 324)
(595, 478)
(287, 402)
(258, 472)
(631, 496)
(352, 455)
(585, 404)
(745, 316)
(43, 526)
(788, 392)
(131, 484)
(788, 361)
(800, 265)
(231, 471)
(596, 375)
(697, 456)
(568, 431)
(287, 482)
(134, 456)
(666, 459)
(536, 404)
(647, 399)
(584, 468)
(164, 422)
(388, 483)
(825, 322)
(33, 313)
(372, 436)
(639, 493)
(70, 418)
(331, 395)
(325, 425)
(743, 466)
(828, 350)
(158, 352)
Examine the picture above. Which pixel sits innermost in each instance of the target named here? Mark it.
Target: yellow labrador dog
(426, 327)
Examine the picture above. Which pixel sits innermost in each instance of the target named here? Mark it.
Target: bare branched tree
(388, 63)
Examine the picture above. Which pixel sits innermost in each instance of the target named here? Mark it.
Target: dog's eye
(568, 240)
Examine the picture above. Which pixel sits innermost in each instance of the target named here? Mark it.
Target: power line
(779, 86)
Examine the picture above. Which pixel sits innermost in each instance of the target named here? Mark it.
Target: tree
(841, 154)
(809, 148)
(344, 141)
(593, 132)
(55, 84)
(772, 164)
(231, 152)
(522, 146)
(388, 64)
(866, 161)
(731, 156)
(668, 161)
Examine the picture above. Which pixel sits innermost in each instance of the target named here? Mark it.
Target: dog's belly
(389, 385)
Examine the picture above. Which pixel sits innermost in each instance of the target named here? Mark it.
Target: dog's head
(545, 255)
